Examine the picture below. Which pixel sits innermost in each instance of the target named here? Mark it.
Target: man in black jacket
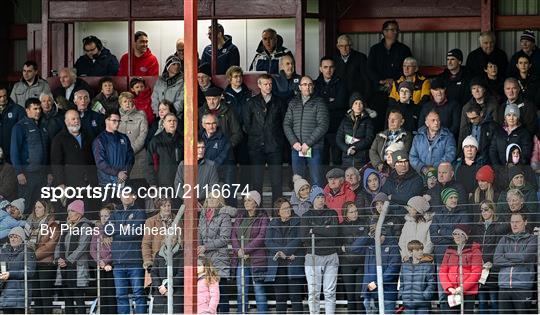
(482, 128)
(10, 114)
(456, 78)
(333, 89)
(351, 67)
(97, 60)
(69, 84)
(263, 122)
(478, 58)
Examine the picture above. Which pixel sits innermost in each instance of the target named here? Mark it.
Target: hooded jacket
(501, 140)
(269, 61)
(365, 196)
(145, 65)
(263, 122)
(171, 89)
(413, 230)
(143, 102)
(106, 64)
(432, 153)
(215, 235)
(472, 268)
(516, 256)
(227, 56)
(336, 200)
(13, 290)
(285, 237)
(421, 89)
(306, 123)
(418, 282)
(22, 91)
(357, 132)
(254, 246)
(299, 206)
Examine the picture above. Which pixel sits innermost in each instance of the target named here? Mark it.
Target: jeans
(352, 280)
(371, 303)
(124, 277)
(323, 271)
(488, 301)
(258, 160)
(260, 293)
(314, 163)
(416, 309)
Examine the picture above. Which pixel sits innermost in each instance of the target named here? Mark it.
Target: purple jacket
(105, 251)
(255, 248)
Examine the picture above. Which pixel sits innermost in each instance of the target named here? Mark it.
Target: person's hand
(452, 291)
(458, 290)
(305, 148)
(162, 289)
(61, 263)
(21, 179)
(200, 250)
(107, 268)
(343, 248)
(281, 255)
(50, 179)
(240, 253)
(101, 264)
(107, 241)
(292, 257)
(488, 265)
(351, 151)
(148, 264)
(372, 286)
(122, 176)
(4, 276)
(297, 146)
(405, 258)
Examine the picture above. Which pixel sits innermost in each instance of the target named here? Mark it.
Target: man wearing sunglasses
(96, 60)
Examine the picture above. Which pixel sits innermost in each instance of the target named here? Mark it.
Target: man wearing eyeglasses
(481, 127)
(97, 60)
(112, 152)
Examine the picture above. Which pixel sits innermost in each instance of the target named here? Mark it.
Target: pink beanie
(76, 206)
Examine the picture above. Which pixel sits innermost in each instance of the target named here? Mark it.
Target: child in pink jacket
(207, 289)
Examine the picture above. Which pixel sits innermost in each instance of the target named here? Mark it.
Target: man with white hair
(91, 121)
(421, 86)
(51, 116)
(269, 51)
(69, 84)
(351, 67)
(478, 58)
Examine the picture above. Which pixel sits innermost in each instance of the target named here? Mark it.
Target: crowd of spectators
(450, 165)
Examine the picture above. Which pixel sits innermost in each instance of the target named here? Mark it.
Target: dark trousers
(74, 299)
(352, 280)
(331, 152)
(259, 159)
(225, 294)
(288, 289)
(31, 192)
(42, 292)
(516, 301)
(107, 293)
(13, 311)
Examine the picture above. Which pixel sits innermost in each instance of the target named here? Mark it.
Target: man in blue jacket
(10, 114)
(227, 53)
(30, 153)
(97, 60)
(112, 152)
(516, 257)
(126, 252)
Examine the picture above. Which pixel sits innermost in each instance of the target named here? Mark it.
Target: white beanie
(419, 203)
(396, 146)
(255, 196)
(18, 231)
(19, 204)
(298, 183)
(470, 140)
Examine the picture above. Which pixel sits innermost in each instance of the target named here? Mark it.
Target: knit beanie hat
(478, 81)
(485, 174)
(76, 206)
(298, 183)
(469, 140)
(18, 231)
(466, 229)
(407, 85)
(514, 171)
(205, 68)
(356, 96)
(528, 35)
(420, 203)
(431, 172)
(511, 109)
(456, 52)
(315, 192)
(19, 204)
(379, 197)
(447, 193)
(171, 60)
(255, 196)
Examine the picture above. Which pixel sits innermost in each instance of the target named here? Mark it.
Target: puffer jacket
(472, 268)
(254, 246)
(226, 120)
(442, 226)
(418, 282)
(105, 64)
(7, 222)
(516, 257)
(380, 143)
(46, 242)
(284, 236)
(126, 247)
(165, 151)
(299, 206)
(306, 123)
(413, 230)
(269, 61)
(421, 89)
(11, 115)
(134, 125)
(22, 91)
(441, 149)
(501, 140)
(74, 249)
(357, 132)
(171, 89)
(228, 55)
(336, 200)
(215, 235)
(112, 153)
(402, 188)
(12, 295)
(263, 122)
(207, 296)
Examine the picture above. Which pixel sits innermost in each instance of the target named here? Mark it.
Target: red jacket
(145, 65)
(472, 269)
(143, 102)
(335, 202)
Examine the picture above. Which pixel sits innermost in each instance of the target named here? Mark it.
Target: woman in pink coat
(207, 289)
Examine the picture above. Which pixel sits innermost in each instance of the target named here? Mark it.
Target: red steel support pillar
(299, 31)
(45, 60)
(190, 156)
(486, 16)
